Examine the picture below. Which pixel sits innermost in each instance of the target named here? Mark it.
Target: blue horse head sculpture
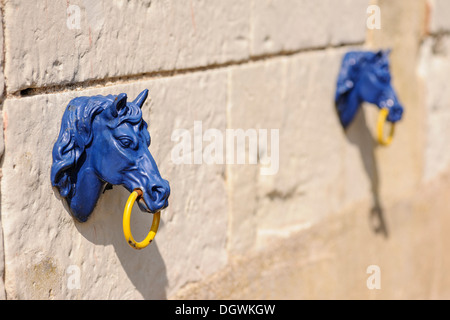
(104, 141)
(365, 76)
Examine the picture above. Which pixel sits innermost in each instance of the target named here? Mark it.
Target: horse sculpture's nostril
(159, 193)
(154, 193)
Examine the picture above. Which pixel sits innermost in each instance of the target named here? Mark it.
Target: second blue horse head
(365, 77)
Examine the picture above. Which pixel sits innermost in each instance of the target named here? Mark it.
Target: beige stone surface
(330, 260)
(439, 13)
(289, 25)
(403, 26)
(2, 257)
(434, 70)
(118, 38)
(41, 240)
(85, 40)
(2, 59)
(2, 147)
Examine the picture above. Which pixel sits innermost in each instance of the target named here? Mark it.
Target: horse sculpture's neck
(88, 189)
(349, 106)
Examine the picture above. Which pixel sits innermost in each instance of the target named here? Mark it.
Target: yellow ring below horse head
(380, 128)
(126, 223)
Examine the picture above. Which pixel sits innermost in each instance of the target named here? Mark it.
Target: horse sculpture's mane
(76, 134)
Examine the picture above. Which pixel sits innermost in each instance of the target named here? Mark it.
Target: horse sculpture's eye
(383, 75)
(125, 142)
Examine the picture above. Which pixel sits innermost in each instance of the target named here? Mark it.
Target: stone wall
(338, 203)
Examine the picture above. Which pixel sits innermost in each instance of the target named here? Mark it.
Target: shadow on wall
(145, 268)
(359, 134)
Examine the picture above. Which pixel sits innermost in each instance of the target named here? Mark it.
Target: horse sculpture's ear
(383, 54)
(119, 103)
(141, 98)
(378, 55)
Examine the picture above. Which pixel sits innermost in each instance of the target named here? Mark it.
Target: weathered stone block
(439, 13)
(289, 25)
(81, 40)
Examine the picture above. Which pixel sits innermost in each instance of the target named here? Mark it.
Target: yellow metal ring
(126, 223)
(380, 128)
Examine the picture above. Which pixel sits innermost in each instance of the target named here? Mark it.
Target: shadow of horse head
(104, 141)
(365, 77)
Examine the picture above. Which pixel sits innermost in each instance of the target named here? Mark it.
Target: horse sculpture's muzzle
(146, 177)
(389, 100)
(156, 197)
